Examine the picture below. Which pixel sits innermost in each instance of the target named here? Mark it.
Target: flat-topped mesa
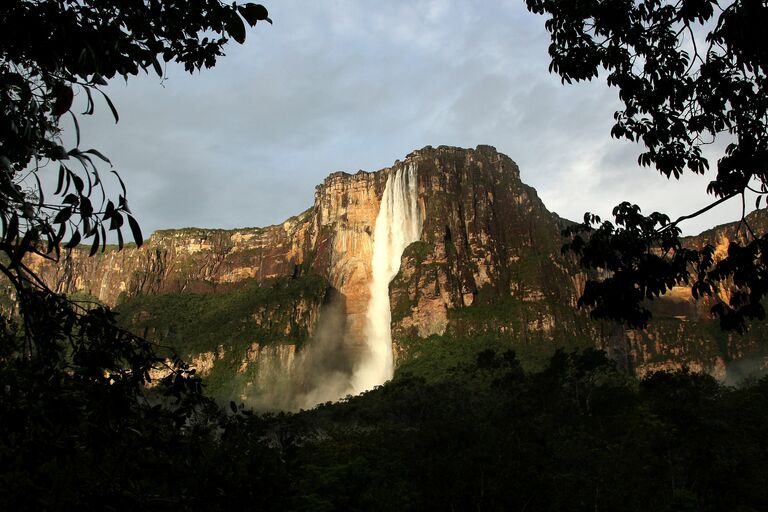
(485, 261)
(479, 221)
(184, 260)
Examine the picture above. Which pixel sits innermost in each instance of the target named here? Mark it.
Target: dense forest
(578, 435)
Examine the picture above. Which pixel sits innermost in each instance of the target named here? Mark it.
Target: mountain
(294, 314)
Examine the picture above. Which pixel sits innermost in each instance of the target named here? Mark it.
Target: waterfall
(398, 224)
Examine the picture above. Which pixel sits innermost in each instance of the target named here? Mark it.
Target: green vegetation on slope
(199, 322)
(535, 330)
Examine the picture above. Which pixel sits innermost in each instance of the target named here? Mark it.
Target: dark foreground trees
(577, 436)
(80, 428)
(690, 73)
(55, 58)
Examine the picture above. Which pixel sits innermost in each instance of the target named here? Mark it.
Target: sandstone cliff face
(488, 265)
(186, 260)
(487, 237)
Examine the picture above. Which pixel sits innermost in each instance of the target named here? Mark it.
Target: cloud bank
(344, 85)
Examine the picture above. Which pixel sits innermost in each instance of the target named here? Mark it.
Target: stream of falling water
(398, 224)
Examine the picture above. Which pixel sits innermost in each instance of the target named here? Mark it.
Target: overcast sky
(343, 85)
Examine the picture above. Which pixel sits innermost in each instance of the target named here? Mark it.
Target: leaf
(86, 208)
(86, 226)
(13, 228)
(60, 234)
(135, 231)
(41, 199)
(63, 215)
(119, 240)
(111, 105)
(71, 199)
(233, 407)
(22, 248)
(236, 28)
(103, 237)
(77, 128)
(79, 185)
(51, 244)
(122, 185)
(98, 154)
(89, 108)
(98, 79)
(64, 97)
(59, 153)
(74, 240)
(156, 65)
(116, 222)
(109, 211)
(60, 185)
(123, 205)
(254, 12)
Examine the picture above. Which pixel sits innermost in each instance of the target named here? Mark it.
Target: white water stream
(398, 224)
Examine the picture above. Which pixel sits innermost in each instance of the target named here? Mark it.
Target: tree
(54, 51)
(73, 382)
(51, 52)
(679, 94)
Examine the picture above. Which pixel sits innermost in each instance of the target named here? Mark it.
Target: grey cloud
(346, 85)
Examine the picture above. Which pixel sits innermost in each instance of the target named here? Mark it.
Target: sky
(344, 85)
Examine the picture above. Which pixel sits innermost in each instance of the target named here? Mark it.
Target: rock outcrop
(488, 265)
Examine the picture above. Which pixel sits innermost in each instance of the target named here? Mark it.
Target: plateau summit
(402, 269)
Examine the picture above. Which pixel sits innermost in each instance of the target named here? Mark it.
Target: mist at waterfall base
(319, 372)
(329, 367)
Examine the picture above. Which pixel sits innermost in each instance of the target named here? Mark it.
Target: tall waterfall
(398, 224)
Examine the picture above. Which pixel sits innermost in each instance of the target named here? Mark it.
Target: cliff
(247, 305)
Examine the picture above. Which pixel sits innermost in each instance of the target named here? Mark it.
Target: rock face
(487, 266)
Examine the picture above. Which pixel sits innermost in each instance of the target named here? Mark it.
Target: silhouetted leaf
(64, 96)
(71, 199)
(22, 248)
(122, 185)
(86, 209)
(123, 204)
(254, 13)
(63, 215)
(111, 105)
(236, 28)
(13, 228)
(156, 65)
(98, 154)
(135, 231)
(89, 105)
(78, 181)
(109, 210)
(115, 221)
(74, 241)
(40, 192)
(94, 245)
(60, 184)
(77, 128)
